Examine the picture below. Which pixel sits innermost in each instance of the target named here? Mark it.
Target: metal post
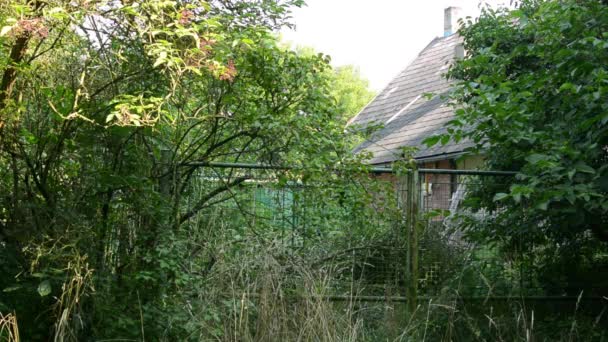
(404, 194)
(414, 231)
(412, 207)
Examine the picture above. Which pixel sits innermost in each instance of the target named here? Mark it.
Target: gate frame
(411, 209)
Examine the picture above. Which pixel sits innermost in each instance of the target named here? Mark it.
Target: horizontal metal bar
(462, 299)
(403, 299)
(449, 172)
(382, 170)
(531, 298)
(377, 170)
(223, 165)
(364, 298)
(467, 172)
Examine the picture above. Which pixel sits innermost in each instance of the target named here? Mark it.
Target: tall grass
(268, 293)
(9, 330)
(67, 308)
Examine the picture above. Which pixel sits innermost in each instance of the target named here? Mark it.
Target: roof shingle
(414, 116)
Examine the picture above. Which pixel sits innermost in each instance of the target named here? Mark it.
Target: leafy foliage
(531, 97)
(351, 91)
(106, 111)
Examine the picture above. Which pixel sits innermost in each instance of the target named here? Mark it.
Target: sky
(379, 37)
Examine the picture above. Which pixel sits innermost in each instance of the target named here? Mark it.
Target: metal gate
(405, 243)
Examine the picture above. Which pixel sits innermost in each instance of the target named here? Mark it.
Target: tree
(531, 95)
(105, 108)
(350, 90)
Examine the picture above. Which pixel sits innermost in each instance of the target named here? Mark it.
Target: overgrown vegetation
(104, 106)
(532, 98)
(114, 227)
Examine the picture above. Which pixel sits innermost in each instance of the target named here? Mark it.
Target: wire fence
(365, 232)
(447, 257)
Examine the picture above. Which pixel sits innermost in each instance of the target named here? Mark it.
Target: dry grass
(267, 293)
(68, 306)
(9, 330)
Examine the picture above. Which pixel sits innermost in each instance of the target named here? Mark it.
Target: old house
(407, 114)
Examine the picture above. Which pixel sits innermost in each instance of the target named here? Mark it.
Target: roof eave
(426, 159)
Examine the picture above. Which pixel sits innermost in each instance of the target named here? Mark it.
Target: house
(407, 115)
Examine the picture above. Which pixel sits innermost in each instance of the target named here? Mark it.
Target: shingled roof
(407, 115)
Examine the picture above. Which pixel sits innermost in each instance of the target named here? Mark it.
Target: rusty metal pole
(412, 214)
(415, 224)
(406, 212)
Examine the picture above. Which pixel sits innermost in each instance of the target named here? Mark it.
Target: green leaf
(12, 288)
(566, 86)
(571, 174)
(517, 197)
(195, 70)
(44, 288)
(536, 158)
(162, 58)
(500, 196)
(159, 61)
(432, 140)
(445, 139)
(543, 206)
(582, 167)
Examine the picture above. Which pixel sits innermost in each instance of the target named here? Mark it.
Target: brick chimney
(450, 20)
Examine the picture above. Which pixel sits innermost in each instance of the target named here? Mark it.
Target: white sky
(380, 37)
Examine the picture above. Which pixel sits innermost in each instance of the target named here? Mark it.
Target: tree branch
(10, 74)
(201, 203)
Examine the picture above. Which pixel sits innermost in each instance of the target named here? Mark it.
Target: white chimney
(450, 20)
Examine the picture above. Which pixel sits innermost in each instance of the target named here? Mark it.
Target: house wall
(470, 162)
(437, 189)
